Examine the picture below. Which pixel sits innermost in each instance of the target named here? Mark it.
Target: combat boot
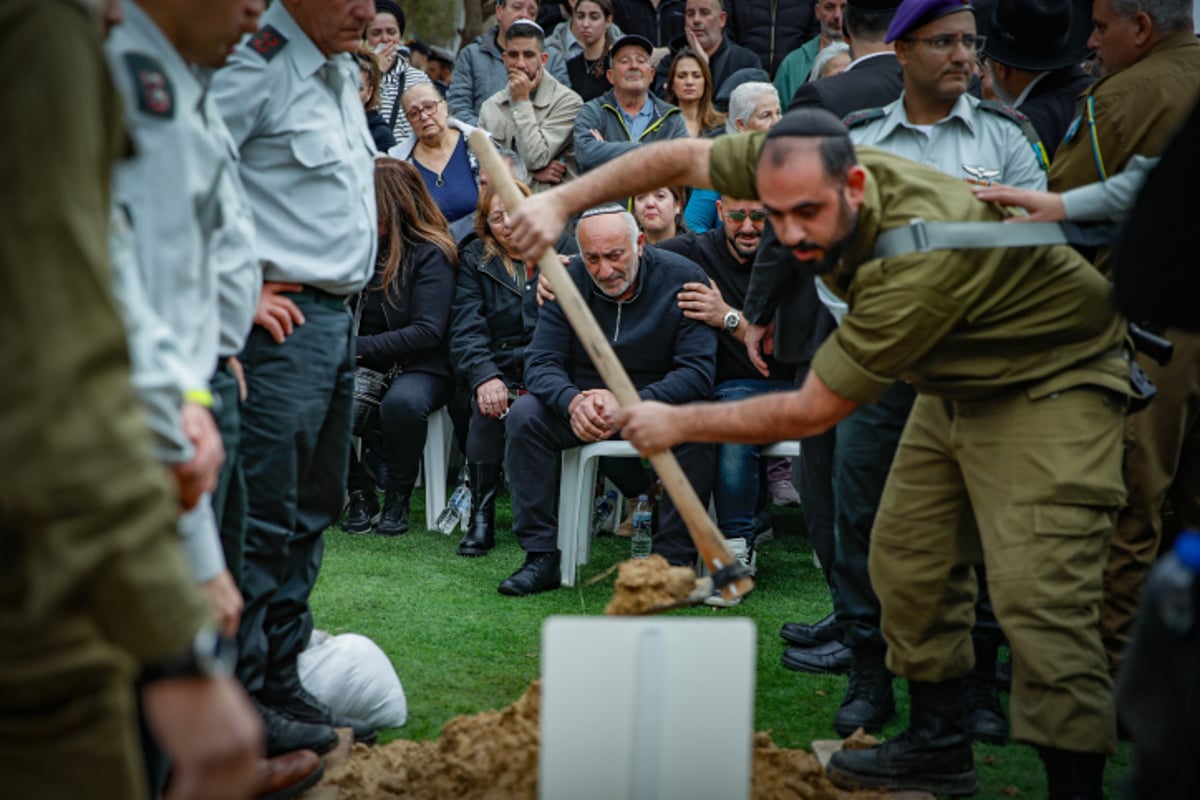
(394, 520)
(985, 718)
(932, 755)
(869, 701)
(480, 536)
(1071, 775)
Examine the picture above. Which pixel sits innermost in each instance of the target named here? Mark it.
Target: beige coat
(539, 130)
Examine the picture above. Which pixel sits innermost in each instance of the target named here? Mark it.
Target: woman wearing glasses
(438, 149)
(492, 319)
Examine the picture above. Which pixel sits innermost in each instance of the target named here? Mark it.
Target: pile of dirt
(494, 755)
(645, 583)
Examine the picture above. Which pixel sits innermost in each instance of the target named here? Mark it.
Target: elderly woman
(438, 149)
(494, 312)
(753, 106)
(403, 315)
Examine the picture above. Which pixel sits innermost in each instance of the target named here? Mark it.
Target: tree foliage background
(447, 23)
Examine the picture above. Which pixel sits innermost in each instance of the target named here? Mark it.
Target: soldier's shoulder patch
(155, 94)
(268, 42)
(1023, 122)
(862, 117)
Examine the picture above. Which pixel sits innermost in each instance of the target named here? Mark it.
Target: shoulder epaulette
(268, 42)
(1023, 122)
(155, 95)
(863, 116)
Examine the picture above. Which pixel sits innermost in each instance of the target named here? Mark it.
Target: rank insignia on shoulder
(268, 42)
(861, 117)
(155, 94)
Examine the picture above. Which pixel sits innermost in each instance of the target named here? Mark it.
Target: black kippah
(808, 122)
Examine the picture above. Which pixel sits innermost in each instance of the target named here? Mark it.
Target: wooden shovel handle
(703, 530)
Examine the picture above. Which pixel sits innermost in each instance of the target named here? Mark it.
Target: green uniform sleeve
(87, 539)
(731, 164)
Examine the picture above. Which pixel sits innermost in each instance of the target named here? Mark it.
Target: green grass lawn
(460, 647)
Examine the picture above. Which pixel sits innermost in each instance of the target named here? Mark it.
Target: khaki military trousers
(1162, 462)
(1029, 485)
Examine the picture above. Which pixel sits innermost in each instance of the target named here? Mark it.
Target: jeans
(736, 489)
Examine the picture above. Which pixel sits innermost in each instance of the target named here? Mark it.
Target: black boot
(285, 735)
(869, 700)
(362, 512)
(1071, 775)
(394, 520)
(985, 718)
(539, 573)
(286, 696)
(932, 755)
(480, 536)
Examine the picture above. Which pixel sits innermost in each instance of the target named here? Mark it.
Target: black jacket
(668, 357)
(1050, 105)
(661, 26)
(711, 252)
(380, 131)
(416, 318)
(871, 84)
(492, 319)
(771, 28)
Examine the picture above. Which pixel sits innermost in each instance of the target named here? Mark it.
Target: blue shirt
(454, 191)
(639, 122)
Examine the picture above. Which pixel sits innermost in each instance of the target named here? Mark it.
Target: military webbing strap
(920, 236)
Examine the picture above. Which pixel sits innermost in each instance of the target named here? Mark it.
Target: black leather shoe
(830, 658)
(286, 735)
(985, 718)
(869, 701)
(480, 535)
(394, 520)
(932, 755)
(803, 635)
(298, 704)
(362, 512)
(539, 573)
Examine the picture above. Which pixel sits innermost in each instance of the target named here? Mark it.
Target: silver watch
(732, 320)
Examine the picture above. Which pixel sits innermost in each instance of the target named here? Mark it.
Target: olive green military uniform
(1136, 113)
(1011, 456)
(92, 578)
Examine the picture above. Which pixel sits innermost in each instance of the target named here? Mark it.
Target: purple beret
(915, 13)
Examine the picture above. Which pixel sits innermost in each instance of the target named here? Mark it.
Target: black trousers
(396, 436)
(295, 447)
(536, 436)
(814, 484)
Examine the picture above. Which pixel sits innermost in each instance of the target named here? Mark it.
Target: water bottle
(639, 546)
(603, 509)
(1173, 585)
(458, 509)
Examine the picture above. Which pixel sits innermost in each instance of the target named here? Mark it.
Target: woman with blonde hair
(402, 319)
(495, 310)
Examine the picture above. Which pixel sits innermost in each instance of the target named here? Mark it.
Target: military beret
(913, 14)
(808, 122)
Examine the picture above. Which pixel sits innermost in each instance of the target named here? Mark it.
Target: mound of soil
(645, 583)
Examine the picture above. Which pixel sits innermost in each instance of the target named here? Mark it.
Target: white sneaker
(749, 559)
(783, 493)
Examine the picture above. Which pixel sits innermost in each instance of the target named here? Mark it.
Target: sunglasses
(740, 216)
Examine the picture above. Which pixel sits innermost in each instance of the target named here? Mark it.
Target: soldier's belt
(920, 236)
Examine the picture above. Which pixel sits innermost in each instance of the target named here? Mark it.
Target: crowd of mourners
(308, 261)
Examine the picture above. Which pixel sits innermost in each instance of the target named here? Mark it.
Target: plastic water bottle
(603, 509)
(641, 542)
(1173, 586)
(458, 509)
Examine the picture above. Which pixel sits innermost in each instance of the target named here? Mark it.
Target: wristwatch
(209, 655)
(732, 320)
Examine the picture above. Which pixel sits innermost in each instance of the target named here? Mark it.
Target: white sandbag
(351, 675)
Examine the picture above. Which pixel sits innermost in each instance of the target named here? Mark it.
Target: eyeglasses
(740, 216)
(497, 217)
(428, 108)
(945, 43)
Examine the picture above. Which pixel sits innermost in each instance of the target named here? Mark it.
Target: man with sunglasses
(726, 253)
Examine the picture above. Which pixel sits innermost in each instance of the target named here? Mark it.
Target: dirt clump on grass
(493, 755)
(645, 583)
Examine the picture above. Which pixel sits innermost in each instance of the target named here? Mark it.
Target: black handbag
(369, 384)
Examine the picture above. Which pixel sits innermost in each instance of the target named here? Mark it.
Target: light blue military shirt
(306, 156)
(969, 143)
